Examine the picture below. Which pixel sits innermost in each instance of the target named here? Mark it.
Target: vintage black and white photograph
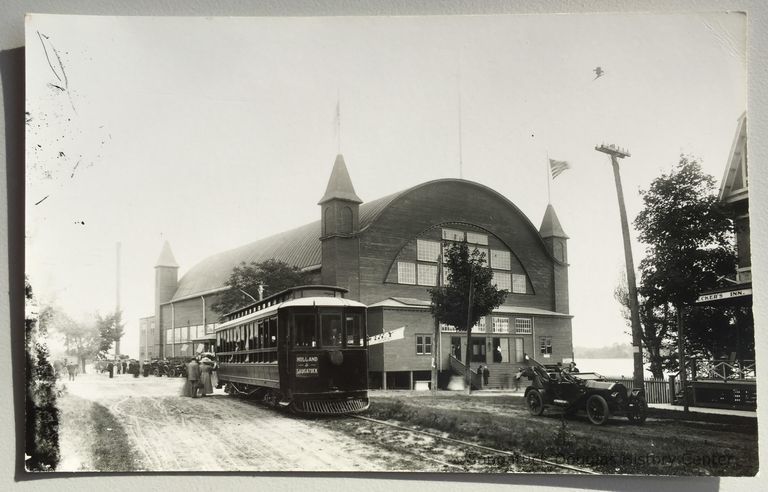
(457, 244)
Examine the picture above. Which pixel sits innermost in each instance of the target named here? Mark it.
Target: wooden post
(410, 379)
(681, 354)
(671, 389)
(637, 350)
(468, 369)
(384, 380)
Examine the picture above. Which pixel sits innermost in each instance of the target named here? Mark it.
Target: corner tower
(340, 225)
(166, 283)
(556, 242)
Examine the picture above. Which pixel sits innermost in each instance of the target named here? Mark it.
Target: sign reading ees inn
(724, 295)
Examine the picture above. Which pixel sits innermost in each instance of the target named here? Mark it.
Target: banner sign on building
(724, 295)
(387, 336)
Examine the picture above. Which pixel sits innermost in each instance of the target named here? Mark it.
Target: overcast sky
(212, 133)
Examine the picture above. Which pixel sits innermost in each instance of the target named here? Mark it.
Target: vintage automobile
(554, 387)
(160, 367)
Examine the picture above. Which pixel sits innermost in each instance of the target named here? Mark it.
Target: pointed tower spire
(550, 225)
(340, 184)
(166, 258)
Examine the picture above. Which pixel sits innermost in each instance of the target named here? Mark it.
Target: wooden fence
(656, 390)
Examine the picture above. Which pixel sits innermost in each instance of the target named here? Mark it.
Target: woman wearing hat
(206, 365)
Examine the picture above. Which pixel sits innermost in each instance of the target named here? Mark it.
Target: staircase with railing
(458, 368)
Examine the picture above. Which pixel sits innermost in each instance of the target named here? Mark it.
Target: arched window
(346, 220)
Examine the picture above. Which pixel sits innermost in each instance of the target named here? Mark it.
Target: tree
(110, 329)
(82, 340)
(469, 295)
(689, 239)
(656, 323)
(244, 282)
(41, 412)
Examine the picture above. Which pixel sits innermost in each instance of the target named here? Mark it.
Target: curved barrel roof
(299, 247)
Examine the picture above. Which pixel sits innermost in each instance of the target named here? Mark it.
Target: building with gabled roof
(385, 252)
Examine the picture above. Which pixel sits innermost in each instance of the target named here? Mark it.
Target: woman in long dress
(206, 365)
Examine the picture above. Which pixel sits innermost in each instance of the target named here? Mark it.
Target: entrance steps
(502, 376)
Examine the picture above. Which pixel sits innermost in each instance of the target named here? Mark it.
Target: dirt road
(215, 433)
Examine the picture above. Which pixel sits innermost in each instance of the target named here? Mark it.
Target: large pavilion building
(385, 252)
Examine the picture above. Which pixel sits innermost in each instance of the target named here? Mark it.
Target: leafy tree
(244, 281)
(689, 239)
(111, 329)
(469, 295)
(656, 323)
(41, 413)
(82, 340)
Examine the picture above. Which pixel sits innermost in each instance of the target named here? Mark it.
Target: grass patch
(111, 448)
(677, 446)
(92, 439)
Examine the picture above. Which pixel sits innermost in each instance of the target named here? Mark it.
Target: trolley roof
(306, 295)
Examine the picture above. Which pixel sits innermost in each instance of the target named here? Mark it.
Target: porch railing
(458, 367)
(723, 369)
(656, 390)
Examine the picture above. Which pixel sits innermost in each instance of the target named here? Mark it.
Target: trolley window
(305, 333)
(330, 328)
(354, 329)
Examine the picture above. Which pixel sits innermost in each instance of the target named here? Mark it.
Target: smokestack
(117, 293)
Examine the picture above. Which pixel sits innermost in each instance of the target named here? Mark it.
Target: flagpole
(549, 180)
(338, 122)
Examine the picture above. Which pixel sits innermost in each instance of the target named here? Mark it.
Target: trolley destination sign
(306, 365)
(716, 296)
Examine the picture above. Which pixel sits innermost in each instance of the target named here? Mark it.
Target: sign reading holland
(387, 336)
(724, 295)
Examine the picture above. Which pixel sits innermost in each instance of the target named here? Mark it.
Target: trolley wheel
(597, 410)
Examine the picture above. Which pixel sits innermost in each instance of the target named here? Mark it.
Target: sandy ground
(215, 433)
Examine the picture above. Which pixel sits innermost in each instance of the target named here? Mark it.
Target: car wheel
(638, 412)
(597, 410)
(156, 372)
(172, 373)
(535, 402)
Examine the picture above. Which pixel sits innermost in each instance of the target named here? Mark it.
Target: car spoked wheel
(597, 410)
(638, 411)
(535, 402)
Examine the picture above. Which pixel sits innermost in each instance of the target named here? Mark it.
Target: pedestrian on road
(58, 367)
(71, 368)
(125, 367)
(206, 366)
(486, 375)
(193, 378)
(111, 369)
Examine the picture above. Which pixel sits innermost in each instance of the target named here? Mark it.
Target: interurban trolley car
(304, 349)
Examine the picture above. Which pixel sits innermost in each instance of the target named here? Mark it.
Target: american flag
(557, 167)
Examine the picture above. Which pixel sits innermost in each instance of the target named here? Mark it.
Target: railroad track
(487, 449)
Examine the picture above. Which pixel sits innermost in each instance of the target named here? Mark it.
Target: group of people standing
(199, 377)
(120, 367)
(71, 367)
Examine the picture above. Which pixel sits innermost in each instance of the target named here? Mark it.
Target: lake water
(609, 367)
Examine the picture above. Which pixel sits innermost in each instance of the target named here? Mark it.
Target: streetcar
(303, 349)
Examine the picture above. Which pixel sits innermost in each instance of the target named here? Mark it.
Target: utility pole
(117, 295)
(617, 153)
